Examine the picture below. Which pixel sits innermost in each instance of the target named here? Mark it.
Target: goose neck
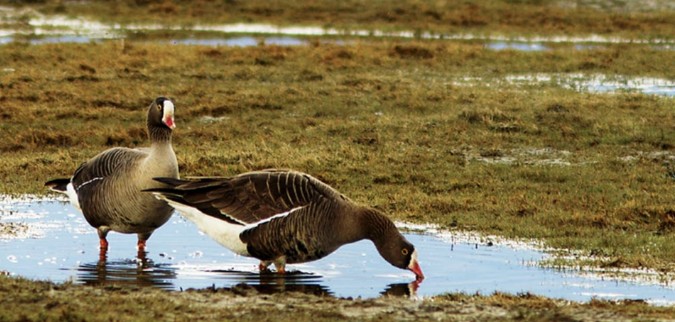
(377, 226)
(159, 134)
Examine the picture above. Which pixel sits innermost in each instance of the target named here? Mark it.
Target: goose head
(400, 253)
(390, 243)
(161, 113)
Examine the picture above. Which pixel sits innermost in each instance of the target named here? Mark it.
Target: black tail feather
(58, 185)
(192, 193)
(168, 192)
(191, 183)
(173, 182)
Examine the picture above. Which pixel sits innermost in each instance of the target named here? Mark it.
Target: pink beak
(167, 117)
(169, 122)
(415, 268)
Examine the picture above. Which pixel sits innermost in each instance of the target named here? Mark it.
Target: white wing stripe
(88, 182)
(283, 214)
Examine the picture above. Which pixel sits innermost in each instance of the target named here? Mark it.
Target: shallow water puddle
(54, 242)
(246, 41)
(72, 29)
(521, 46)
(46, 25)
(593, 83)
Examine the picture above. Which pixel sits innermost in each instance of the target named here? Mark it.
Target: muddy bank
(26, 300)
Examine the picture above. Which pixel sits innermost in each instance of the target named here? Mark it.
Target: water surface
(56, 243)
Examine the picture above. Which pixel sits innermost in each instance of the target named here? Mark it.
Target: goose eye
(404, 251)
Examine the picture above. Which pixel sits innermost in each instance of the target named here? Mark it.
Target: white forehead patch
(168, 107)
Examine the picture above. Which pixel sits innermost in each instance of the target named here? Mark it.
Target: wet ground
(595, 83)
(60, 29)
(47, 239)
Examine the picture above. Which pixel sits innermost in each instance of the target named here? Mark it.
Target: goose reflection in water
(401, 290)
(139, 271)
(269, 289)
(142, 271)
(297, 281)
(272, 283)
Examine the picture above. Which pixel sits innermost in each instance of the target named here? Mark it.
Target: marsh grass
(384, 122)
(616, 18)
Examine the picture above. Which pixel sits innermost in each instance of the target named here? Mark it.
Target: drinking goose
(107, 188)
(283, 216)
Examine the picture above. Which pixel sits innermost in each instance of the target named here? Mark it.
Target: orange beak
(415, 268)
(169, 122)
(167, 118)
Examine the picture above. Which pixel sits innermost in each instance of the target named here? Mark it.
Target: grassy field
(391, 123)
(382, 121)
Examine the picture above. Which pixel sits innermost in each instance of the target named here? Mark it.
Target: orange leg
(280, 264)
(103, 250)
(281, 269)
(263, 266)
(103, 244)
(141, 244)
(102, 233)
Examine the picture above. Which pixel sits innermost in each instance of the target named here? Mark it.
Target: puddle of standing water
(54, 242)
(522, 46)
(593, 83)
(60, 25)
(242, 41)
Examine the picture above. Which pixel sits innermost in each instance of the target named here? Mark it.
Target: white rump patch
(72, 196)
(225, 233)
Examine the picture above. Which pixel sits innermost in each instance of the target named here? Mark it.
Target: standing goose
(108, 187)
(282, 217)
